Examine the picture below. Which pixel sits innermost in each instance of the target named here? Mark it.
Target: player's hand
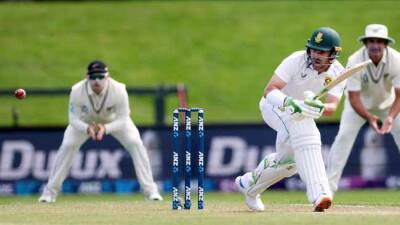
(386, 126)
(313, 108)
(101, 131)
(92, 130)
(373, 122)
(293, 106)
(316, 107)
(300, 109)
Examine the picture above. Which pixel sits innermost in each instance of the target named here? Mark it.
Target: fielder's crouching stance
(372, 94)
(99, 105)
(288, 107)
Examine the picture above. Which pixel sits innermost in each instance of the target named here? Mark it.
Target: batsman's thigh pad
(274, 117)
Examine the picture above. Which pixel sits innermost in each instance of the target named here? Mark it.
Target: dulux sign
(26, 157)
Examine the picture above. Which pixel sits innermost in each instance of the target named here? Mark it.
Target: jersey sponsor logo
(318, 38)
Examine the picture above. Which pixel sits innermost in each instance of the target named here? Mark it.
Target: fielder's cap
(376, 31)
(97, 66)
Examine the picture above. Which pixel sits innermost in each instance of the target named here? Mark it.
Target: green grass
(223, 51)
(355, 207)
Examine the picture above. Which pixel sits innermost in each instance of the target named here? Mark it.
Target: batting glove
(294, 108)
(313, 108)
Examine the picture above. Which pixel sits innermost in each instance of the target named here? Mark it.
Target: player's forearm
(273, 93)
(355, 101)
(276, 98)
(394, 110)
(361, 110)
(78, 123)
(116, 125)
(122, 115)
(331, 105)
(329, 109)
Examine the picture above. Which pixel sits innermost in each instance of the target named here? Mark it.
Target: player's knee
(69, 145)
(134, 142)
(346, 135)
(347, 130)
(395, 130)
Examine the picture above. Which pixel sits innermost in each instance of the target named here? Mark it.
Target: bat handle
(317, 97)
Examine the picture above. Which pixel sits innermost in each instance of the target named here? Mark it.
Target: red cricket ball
(20, 93)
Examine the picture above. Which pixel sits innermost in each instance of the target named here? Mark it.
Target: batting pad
(268, 172)
(306, 143)
(311, 169)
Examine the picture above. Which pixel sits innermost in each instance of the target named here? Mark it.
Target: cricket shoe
(254, 203)
(323, 202)
(154, 197)
(47, 196)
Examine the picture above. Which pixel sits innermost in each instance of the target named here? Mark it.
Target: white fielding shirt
(376, 83)
(299, 76)
(110, 107)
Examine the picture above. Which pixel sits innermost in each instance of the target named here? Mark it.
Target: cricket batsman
(99, 106)
(372, 95)
(287, 106)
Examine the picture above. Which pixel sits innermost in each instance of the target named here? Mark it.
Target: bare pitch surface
(361, 207)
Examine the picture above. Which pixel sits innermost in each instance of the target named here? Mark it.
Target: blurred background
(217, 55)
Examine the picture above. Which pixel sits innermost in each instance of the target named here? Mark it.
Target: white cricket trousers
(350, 124)
(298, 149)
(130, 139)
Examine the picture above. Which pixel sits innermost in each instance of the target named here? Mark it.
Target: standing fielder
(288, 108)
(99, 105)
(372, 94)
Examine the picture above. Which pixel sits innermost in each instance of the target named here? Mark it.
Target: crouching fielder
(373, 94)
(99, 105)
(288, 108)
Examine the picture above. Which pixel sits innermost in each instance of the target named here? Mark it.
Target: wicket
(188, 150)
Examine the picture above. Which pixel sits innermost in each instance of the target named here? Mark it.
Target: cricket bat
(346, 73)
